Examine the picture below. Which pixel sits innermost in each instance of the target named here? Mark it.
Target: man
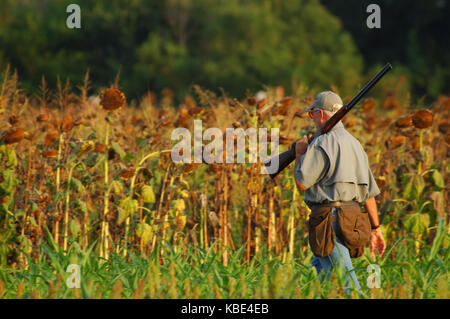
(335, 174)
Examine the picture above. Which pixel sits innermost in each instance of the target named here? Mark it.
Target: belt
(335, 204)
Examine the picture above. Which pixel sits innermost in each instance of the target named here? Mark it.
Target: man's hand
(300, 149)
(301, 146)
(377, 242)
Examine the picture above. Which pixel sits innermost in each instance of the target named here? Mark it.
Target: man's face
(318, 117)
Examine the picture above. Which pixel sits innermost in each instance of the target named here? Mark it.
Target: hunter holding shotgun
(334, 172)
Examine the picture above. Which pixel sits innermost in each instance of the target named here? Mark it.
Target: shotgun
(287, 157)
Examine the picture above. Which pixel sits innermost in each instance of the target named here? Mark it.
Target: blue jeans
(324, 265)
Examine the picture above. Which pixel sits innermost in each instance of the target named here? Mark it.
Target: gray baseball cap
(326, 100)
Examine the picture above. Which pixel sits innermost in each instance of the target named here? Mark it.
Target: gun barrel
(288, 156)
(368, 86)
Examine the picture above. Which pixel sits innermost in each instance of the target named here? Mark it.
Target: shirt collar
(337, 126)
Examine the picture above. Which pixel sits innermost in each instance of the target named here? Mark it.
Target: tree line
(237, 45)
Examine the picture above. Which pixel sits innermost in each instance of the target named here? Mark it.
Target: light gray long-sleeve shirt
(335, 167)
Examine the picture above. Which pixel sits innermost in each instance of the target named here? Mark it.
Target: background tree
(238, 45)
(411, 36)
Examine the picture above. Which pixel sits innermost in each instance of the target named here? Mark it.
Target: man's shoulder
(336, 139)
(332, 137)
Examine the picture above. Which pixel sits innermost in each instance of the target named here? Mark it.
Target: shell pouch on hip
(354, 229)
(321, 234)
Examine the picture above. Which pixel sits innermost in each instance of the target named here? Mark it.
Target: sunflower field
(86, 178)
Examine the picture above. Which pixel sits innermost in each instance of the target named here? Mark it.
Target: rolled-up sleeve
(313, 167)
(373, 187)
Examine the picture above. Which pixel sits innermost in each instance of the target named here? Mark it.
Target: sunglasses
(311, 113)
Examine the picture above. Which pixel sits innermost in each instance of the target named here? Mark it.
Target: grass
(199, 273)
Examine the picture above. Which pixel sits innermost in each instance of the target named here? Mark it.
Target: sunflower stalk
(132, 185)
(419, 166)
(58, 181)
(67, 208)
(161, 198)
(104, 241)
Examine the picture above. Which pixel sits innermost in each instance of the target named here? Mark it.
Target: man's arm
(371, 206)
(310, 166)
(376, 238)
(299, 185)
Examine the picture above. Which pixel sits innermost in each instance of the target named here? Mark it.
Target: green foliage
(148, 195)
(117, 187)
(116, 147)
(144, 231)
(80, 206)
(127, 207)
(440, 235)
(417, 223)
(74, 227)
(9, 181)
(264, 277)
(438, 179)
(237, 45)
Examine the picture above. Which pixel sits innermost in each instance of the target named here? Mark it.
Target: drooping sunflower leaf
(147, 194)
(116, 147)
(438, 179)
(127, 207)
(144, 231)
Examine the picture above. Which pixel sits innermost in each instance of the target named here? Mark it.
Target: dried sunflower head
(190, 168)
(51, 154)
(368, 105)
(112, 99)
(67, 124)
(127, 173)
(43, 118)
(14, 136)
(14, 120)
(51, 137)
(404, 122)
(284, 105)
(137, 119)
(260, 103)
(422, 119)
(251, 100)
(100, 148)
(395, 142)
(444, 127)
